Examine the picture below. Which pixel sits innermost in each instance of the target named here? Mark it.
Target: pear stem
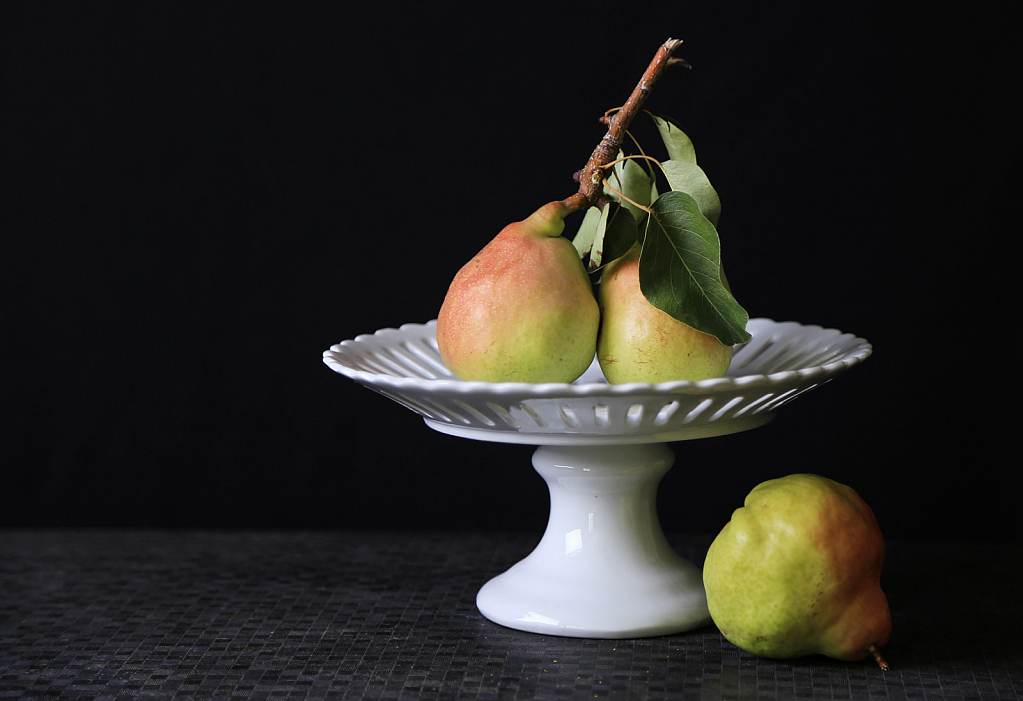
(881, 662)
(591, 177)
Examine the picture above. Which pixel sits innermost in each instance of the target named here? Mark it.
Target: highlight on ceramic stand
(603, 568)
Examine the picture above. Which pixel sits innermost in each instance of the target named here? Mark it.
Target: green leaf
(605, 235)
(631, 179)
(641, 222)
(689, 178)
(680, 270)
(583, 240)
(615, 234)
(679, 146)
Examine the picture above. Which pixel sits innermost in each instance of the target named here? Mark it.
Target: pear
(522, 310)
(640, 343)
(797, 571)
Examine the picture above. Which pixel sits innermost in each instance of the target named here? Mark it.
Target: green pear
(640, 343)
(797, 571)
(522, 310)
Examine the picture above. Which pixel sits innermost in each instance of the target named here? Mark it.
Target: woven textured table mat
(392, 615)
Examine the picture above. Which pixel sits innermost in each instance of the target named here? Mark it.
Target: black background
(200, 199)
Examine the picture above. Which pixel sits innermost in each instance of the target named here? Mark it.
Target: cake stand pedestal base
(603, 568)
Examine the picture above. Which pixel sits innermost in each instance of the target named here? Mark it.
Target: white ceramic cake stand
(603, 568)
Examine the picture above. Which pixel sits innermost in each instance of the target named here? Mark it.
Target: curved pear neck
(548, 221)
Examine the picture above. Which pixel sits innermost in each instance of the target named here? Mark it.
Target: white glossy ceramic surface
(780, 363)
(603, 568)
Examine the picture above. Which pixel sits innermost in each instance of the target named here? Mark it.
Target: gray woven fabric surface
(223, 615)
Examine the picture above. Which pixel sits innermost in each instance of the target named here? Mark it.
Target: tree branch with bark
(591, 177)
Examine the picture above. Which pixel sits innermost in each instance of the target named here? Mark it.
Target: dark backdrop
(200, 199)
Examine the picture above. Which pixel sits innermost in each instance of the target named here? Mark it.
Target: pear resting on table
(797, 571)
